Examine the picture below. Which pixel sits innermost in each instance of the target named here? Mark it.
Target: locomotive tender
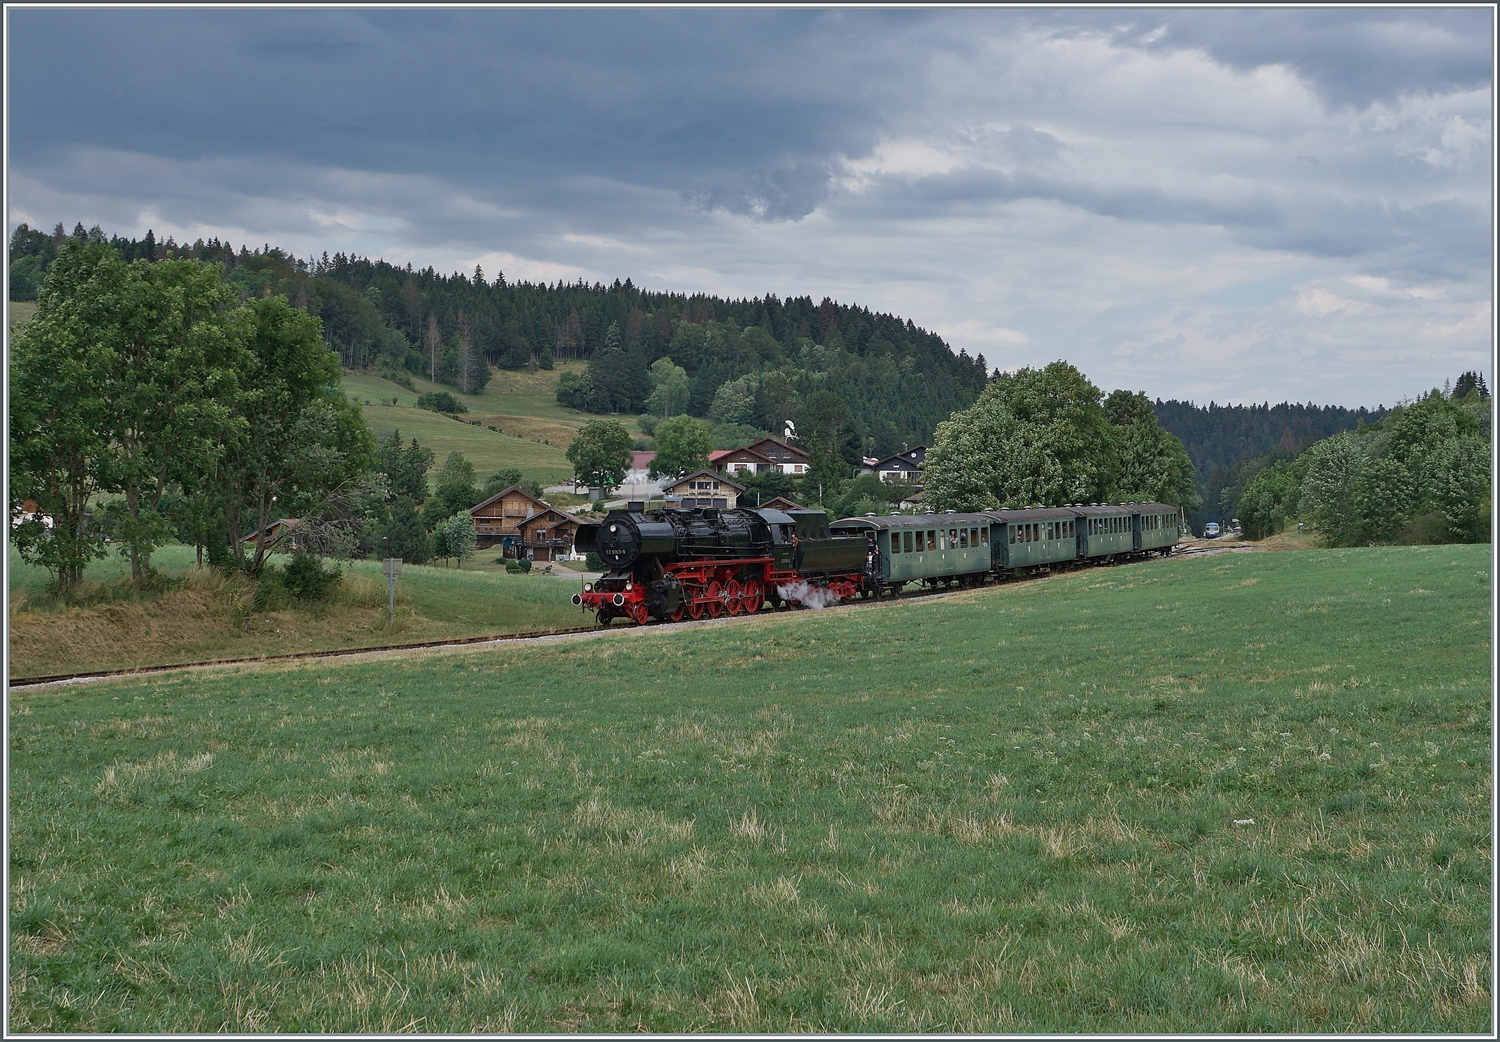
(676, 564)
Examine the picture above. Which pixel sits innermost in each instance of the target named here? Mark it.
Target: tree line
(1222, 439)
(897, 380)
(1421, 474)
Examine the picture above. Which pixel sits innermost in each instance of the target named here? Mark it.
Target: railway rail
(95, 676)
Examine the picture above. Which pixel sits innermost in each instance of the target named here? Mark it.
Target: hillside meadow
(1243, 793)
(199, 614)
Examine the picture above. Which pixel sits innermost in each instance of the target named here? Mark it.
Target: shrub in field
(307, 579)
(440, 401)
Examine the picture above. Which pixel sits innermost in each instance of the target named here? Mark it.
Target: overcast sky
(1230, 205)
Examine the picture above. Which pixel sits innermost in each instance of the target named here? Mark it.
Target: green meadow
(515, 422)
(1236, 793)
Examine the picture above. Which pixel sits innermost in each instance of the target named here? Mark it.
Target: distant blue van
(1211, 530)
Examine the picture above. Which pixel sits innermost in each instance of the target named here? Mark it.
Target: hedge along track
(539, 636)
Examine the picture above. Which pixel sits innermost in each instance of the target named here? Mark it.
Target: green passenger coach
(924, 548)
(1156, 528)
(1032, 538)
(1105, 532)
(942, 549)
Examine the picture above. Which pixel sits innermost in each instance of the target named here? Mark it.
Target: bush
(595, 563)
(306, 579)
(398, 377)
(441, 401)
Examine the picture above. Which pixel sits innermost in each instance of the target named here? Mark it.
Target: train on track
(705, 563)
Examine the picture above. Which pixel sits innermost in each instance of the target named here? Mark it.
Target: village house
(497, 521)
(781, 503)
(759, 457)
(280, 535)
(704, 488)
(548, 536)
(790, 459)
(739, 461)
(903, 466)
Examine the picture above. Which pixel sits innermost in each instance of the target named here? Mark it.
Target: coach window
(931, 539)
(984, 536)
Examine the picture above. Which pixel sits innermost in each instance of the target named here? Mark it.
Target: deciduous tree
(1033, 436)
(682, 446)
(600, 454)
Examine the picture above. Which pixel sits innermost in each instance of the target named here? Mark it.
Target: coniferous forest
(896, 380)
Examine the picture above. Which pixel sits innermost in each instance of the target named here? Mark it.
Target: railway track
(530, 636)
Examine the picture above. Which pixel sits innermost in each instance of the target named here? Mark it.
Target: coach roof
(903, 521)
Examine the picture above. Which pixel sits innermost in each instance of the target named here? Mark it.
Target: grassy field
(520, 423)
(1245, 793)
(201, 615)
(21, 312)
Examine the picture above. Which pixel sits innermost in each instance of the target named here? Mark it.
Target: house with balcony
(548, 536)
(903, 466)
(498, 520)
(703, 488)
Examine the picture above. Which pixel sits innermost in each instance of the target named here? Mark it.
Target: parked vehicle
(1211, 530)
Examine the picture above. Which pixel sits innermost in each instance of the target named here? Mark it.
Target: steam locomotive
(707, 562)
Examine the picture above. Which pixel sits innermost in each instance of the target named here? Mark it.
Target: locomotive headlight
(588, 587)
(629, 587)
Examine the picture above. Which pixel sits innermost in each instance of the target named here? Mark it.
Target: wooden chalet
(548, 536)
(781, 503)
(739, 461)
(497, 521)
(788, 458)
(280, 534)
(704, 488)
(903, 466)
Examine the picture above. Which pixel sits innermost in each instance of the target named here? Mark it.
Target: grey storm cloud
(1029, 183)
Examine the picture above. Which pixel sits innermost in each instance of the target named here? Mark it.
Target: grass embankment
(198, 614)
(1222, 794)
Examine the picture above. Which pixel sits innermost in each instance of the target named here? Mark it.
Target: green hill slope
(515, 422)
